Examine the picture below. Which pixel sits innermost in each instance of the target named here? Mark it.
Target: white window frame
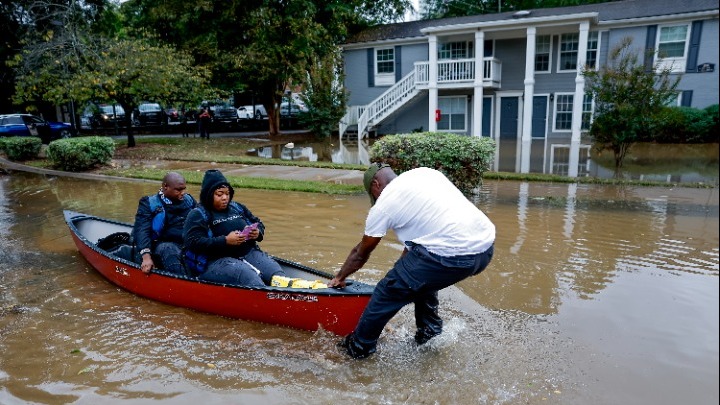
(549, 53)
(561, 168)
(446, 115)
(595, 50)
(674, 63)
(558, 97)
(384, 78)
(588, 109)
(576, 41)
(447, 49)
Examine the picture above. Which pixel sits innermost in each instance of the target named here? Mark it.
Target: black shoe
(422, 336)
(353, 349)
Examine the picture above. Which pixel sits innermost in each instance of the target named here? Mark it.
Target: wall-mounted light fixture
(552, 96)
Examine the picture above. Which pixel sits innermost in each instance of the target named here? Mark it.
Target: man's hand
(336, 282)
(147, 263)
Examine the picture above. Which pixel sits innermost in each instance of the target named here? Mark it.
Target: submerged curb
(9, 165)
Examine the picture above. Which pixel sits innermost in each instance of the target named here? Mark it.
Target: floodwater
(596, 295)
(668, 163)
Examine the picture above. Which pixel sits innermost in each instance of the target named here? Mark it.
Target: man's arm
(357, 258)
(143, 234)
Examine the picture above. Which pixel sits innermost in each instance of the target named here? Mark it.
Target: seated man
(158, 229)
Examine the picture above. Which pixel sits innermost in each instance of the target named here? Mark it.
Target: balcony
(457, 73)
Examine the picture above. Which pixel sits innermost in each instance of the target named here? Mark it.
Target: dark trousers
(167, 256)
(415, 278)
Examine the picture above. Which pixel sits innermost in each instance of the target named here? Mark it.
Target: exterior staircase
(362, 118)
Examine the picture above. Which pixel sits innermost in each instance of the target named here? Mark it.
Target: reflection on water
(645, 162)
(596, 295)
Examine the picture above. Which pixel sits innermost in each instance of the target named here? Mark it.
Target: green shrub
(463, 159)
(713, 112)
(685, 125)
(21, 147)
(78, 154)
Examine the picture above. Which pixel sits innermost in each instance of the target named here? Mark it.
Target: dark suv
(224, 115)
(102, 116)
(149, 115)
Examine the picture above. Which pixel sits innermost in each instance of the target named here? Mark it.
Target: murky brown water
(596, 295)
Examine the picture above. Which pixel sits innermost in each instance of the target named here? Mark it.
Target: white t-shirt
(424, 207)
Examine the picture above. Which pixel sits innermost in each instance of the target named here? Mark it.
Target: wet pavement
(336, 176)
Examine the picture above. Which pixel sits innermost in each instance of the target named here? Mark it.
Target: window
(542, 53)
(385, 61)
(384, 66)
(672, 48)
(675, 101)
(592, 50)
(569, 44)
(563, 112)
(455, 50)
(560, 160)
(587, 113)
(453, 112)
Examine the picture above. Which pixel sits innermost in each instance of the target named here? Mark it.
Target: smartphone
(245, 232)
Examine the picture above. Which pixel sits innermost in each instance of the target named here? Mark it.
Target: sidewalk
(335, 176)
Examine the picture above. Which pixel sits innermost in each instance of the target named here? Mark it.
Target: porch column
(574, 158)
(478, 85)
(432, 85)
(526, 140)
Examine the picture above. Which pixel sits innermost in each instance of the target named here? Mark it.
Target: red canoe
(334, 310)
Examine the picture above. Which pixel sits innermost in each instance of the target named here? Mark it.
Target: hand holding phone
(245, 232)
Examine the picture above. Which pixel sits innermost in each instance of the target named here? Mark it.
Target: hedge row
(21, 147)
(79, 154)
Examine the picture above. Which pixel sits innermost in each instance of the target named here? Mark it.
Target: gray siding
(704, 85)
(356, 72)
(409, 118)
(512, 54)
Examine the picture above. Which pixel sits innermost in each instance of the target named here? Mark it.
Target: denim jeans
(416, 277)
(168, 256)
(230, 270)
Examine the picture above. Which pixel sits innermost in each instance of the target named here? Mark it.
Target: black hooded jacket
(220, 223)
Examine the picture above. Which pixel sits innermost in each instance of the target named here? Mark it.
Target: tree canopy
(628, 99)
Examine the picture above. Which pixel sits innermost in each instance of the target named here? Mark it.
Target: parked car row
(32, 125)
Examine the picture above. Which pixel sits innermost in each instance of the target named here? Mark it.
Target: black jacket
(172, 231)
(195, 232)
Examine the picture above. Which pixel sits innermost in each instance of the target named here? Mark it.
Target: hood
(212, 180)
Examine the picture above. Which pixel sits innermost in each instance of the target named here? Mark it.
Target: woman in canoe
(221, 238)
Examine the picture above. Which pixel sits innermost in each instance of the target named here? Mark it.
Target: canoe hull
(332, 310)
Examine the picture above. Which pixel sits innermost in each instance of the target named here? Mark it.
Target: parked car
(31, 125)
(248, 112)
(148, 115)
(102, 116)
(223, 113)
(294, 109)
(172, 114)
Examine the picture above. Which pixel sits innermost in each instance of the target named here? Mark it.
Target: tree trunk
(273, 120)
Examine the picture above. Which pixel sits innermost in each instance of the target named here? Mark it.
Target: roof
(611, 11)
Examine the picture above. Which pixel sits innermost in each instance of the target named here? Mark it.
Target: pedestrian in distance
(204, 120)
(184, 123)
(447, 239)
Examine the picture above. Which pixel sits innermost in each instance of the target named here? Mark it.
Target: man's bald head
(173, 186)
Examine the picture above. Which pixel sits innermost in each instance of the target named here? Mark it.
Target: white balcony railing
(460, 71)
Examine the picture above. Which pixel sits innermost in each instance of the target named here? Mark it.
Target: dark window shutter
(686, 99)
(398, 63)
(650, 47)
(371, 67)
(692, 61)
